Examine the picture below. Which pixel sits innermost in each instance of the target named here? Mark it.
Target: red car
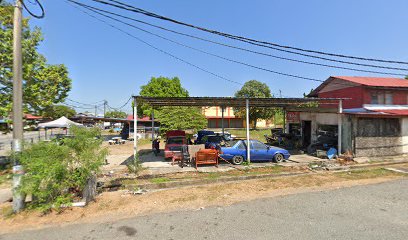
(175, 140)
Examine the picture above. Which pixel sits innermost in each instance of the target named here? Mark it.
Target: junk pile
(346, 158)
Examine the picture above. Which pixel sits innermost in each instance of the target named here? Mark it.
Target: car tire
(278, 158)
(237, 160)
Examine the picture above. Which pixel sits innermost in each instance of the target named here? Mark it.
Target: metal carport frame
(285, 103)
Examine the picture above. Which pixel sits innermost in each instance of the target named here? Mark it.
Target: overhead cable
(160, 50)
(240, 38)
(91, 8)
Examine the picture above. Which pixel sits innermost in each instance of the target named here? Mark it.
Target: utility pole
(18, 199)
(96, 109)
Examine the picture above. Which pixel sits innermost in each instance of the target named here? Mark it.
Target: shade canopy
(61, 122)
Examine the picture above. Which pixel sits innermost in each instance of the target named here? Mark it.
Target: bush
(56, 174)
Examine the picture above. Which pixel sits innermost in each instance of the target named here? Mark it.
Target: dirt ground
(124, 204)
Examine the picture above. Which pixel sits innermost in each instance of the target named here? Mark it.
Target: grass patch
(144, 141)
(7, 212)
(5, 178)
(159, 180)
(213, 175)
(257, 134)
(367, 173)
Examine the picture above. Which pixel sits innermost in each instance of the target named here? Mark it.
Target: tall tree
(171, 117)
(43, 84)
(115, 114)
(160, 87)
(254, 89)
(58, 111)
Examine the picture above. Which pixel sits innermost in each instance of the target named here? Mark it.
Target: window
(388, 98)
(240, 145)
(381, 97)
(258, 145)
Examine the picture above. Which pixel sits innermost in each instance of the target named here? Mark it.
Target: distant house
(374, 118)
(364, 90)
(214, 118)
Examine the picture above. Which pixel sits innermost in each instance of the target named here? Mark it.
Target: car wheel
(278, 158)
(237, 160)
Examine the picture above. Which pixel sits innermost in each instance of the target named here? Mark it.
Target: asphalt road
(363, 212)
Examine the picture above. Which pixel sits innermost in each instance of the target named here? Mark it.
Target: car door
(259, 151)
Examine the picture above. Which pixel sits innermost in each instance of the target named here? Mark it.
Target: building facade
(214, 117)
(374, 118)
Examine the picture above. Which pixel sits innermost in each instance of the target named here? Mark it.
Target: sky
(106, 64)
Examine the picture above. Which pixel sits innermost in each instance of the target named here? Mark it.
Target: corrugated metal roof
(376, 81)
(386, 110)
(398, 112)
(365, 81)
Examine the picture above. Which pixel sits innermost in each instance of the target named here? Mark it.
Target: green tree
(115, 114)
(254, 89)
(406, 77)
(43, 84)
(160, 87)
(181, 118)
(58, 111)
(171, 118)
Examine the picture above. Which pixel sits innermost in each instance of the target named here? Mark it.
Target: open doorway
(306, 133)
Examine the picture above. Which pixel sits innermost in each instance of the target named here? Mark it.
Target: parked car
(237, 154)
(175, 140)
(227, 135)
(201, 134)
(214, 141)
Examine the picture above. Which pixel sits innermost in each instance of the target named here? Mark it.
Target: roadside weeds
(119, 204)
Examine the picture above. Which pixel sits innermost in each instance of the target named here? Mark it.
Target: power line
(121, 107)
(79, 107)
(240, 38)
(160, 50)
(98, 10)
(88, 104)
(242, 63)
(215, 55)
(31, 13)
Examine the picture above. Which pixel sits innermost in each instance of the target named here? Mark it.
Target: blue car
(237, 154)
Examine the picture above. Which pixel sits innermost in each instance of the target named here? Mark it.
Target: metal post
(18, 199)
(222, 119)
(247, 132)
(340, 127)
(152, 124)
(134, 128)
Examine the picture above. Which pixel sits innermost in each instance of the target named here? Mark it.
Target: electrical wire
(240, 38)
(160, 50)
(89, 104)
(227, 59)
(37, 2)
(74, 106)
(121, 107)
(98, 10)
(214, 55)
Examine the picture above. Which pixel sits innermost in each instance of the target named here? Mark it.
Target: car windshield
(175, 140)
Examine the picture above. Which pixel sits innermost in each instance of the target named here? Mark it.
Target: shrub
(56, 173)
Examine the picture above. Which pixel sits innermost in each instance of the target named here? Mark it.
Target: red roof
(376, 81)
(399, 112)
(31, 117)
(143, 119)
